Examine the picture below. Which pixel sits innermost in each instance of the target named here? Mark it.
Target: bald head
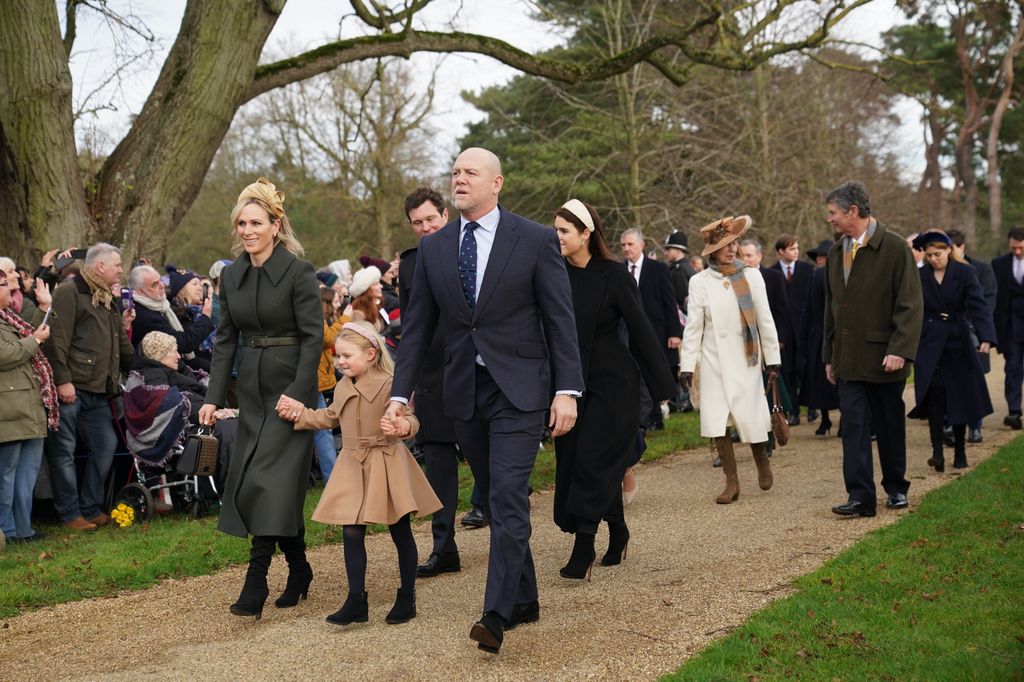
(476, 182)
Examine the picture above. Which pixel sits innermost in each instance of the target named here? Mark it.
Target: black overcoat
(659, 302)
(592, 458)
(946, 345)
(269, 473)
(435, 426)
(816, 392)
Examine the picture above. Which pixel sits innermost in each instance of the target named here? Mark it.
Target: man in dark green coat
(873, 317)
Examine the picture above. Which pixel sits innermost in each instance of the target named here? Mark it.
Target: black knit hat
(678, 240)
(178, 278)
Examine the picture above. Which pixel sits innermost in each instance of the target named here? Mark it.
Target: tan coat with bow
(376, 479)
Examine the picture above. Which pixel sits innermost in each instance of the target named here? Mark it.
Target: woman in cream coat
(730, 334)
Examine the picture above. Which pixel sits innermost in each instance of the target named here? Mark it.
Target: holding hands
(395, 426)
(289, 409)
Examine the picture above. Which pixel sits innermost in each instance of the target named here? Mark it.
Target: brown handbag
(199, 457)
(780, 426)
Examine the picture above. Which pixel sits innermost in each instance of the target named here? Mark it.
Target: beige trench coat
(376, 479)
(730, 390)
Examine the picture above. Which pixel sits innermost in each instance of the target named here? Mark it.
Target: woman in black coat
(270, 302)
(816, 392)
(591, 459)
(949, 382)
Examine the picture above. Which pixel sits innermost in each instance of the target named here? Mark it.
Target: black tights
(935, 400)
(354, 542)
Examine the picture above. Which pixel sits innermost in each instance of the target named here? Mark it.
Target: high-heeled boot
(581, 561)
(618, 542)
(825, 427)
(937, 460)
(764, 466)
(300, 573)
(404, 609)
(732, 481)
(254, 592)
(356, 609)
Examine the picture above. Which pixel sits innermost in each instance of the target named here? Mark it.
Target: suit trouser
(1014, 356)
(500, 443)
(863, 405)
(442, 460)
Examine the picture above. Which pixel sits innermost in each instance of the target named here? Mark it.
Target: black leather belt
(267, 341)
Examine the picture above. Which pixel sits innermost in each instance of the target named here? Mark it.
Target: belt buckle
(944, 316)
(252, 341)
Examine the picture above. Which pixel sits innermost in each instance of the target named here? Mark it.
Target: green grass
(67, 566)
(938, 595)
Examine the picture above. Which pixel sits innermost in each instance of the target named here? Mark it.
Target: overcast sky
(308, 23)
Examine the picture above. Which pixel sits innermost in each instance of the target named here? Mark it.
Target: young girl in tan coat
(376, 479)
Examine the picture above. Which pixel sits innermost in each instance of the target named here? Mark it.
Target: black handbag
(199, 457)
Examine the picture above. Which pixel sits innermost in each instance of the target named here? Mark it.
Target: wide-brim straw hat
(723, 232)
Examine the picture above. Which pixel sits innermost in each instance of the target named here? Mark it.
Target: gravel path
(694, 570)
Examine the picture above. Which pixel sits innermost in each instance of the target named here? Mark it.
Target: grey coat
(269, 470)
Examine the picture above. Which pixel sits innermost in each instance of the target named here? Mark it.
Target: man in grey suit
(494, 286)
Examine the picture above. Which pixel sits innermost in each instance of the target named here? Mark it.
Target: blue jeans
(323, 445)
(19, 468)
(90, 417)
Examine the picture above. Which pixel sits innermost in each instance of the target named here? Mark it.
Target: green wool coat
(22, 414)
(878, 312)
(269, 470)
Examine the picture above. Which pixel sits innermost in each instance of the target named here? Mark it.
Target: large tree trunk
(930, 188)
(202, 83)
(42, 203)
(995, 187)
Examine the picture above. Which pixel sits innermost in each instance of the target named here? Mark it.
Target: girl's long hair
(366, 304)
(327, 303)
(382, 360)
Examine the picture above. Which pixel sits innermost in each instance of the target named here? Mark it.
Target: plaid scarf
(41, 366)
(733, 272)
(848, 248)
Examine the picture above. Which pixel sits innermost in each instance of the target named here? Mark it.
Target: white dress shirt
(635, 267)
(484, 241)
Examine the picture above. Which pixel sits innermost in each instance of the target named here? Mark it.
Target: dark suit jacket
(523, 325)
(681, 272)
(435, 426)
(1009, 311)
(778, 301)
(796, 295)
(987, 278)
(658, 297)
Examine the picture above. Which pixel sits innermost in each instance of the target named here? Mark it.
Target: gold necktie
(853, 251)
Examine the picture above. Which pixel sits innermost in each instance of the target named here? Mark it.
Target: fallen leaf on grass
(895, 606)
(920, 542)
(1020, 638)
(826, 581)
(1004, 470)
(801, 653)
(913, 619)
(45, 556)
(810, 613)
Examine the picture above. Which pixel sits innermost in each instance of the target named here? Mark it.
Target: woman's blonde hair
(383, 360)
(285, 235)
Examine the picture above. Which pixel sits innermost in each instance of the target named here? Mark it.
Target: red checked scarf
(748, 314)
(42, 369)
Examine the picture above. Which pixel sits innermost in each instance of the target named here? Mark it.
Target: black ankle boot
(618, 541)
(937, 460)
(254, 592)
(300, 573)
(404, 609)
(959, 447)
(582, 559)
(354, 610)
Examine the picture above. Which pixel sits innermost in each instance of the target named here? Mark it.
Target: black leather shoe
(488, 632)
(812, 415)
(476, 518)
(436, 564)
(1013, 421)
(854, 508)
(794, 419)
(523, 614)
(974, 436)
(897, 501)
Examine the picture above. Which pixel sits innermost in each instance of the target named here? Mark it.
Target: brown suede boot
(732, 481)
(764, 466)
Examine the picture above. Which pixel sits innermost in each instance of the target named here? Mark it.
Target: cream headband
(363, 332)
(579, 209)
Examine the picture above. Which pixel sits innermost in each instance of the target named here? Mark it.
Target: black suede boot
(354, 610)
(959, 447)
(300, 573)
(254, 592)
(582, 559)
(404, 609)
(618, 542)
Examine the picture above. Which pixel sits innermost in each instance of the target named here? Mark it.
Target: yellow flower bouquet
(123, 515)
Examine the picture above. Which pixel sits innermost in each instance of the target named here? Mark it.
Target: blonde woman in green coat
(270, 314)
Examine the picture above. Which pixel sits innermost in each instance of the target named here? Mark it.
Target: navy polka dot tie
(467, 265)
